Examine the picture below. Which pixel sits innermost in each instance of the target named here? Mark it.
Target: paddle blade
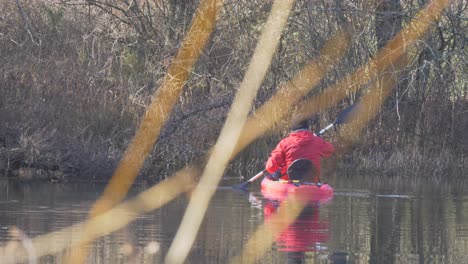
(345, 115)
(243, 186)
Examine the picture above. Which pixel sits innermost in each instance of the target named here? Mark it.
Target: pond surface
(367, 221)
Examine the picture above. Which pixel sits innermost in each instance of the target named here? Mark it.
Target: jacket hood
(302, 134)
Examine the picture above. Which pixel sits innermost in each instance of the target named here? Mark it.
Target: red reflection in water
(307, 233)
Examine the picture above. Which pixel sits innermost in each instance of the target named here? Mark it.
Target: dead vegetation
(77, 76)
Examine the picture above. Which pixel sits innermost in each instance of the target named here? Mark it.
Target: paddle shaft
(326, 129)
(254, 178)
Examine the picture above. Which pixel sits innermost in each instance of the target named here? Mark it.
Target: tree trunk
(388, 23)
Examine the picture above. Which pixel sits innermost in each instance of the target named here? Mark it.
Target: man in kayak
(301, 143)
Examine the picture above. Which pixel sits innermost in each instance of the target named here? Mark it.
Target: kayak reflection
(308, 233)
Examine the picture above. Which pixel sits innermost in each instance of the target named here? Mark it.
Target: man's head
(299, 121)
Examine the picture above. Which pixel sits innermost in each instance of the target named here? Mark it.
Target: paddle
(244, 185)
(342, 118)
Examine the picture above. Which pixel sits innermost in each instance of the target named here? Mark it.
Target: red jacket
(298, 144)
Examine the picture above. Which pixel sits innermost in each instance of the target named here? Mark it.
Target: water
(367, 221)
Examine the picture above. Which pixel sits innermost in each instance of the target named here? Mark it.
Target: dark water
(367, 221)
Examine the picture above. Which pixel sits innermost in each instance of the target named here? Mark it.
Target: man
(301, 143)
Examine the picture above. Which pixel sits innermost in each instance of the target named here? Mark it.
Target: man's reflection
(308, 233)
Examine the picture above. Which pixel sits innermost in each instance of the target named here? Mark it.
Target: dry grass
(78, 82)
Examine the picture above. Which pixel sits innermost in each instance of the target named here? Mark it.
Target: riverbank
(33, 158)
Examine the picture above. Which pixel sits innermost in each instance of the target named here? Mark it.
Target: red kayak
(279, 190)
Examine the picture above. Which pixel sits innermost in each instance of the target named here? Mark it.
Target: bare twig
(29, 27)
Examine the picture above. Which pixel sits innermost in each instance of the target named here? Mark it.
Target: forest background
(77, 76)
